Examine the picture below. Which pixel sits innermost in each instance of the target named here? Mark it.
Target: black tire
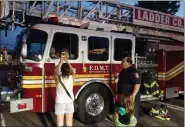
(83, 115)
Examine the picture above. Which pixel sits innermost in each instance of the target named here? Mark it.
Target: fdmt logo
(99, 68)
(159, 18)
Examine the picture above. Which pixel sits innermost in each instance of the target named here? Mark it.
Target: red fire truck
(95, 52)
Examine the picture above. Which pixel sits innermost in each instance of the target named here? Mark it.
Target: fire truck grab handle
(83, 59)
(136, 59)
(83, 62)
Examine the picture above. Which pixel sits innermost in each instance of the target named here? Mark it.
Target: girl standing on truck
(124, 114)
(64, 104)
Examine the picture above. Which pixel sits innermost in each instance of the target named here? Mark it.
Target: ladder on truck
(116, 15)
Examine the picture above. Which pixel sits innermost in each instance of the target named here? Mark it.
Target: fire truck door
(62, 40)
(122, 46)
(96, 52)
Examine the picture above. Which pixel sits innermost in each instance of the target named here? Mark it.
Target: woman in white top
(63, 103)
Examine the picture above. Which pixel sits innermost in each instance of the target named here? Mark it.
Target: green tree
(170, 7)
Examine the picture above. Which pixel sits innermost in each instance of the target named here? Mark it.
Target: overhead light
(53, 19)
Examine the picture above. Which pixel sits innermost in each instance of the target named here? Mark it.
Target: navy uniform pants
(137, 105)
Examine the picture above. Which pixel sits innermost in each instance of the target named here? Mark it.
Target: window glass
(64, 42)
(36, 43)
(98, 48)
(122, 48)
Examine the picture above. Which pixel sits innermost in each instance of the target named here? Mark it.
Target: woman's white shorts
(61, 108)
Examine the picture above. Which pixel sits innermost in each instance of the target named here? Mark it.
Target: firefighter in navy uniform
(129, 83)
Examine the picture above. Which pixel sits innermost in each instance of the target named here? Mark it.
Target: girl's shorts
(62, 108)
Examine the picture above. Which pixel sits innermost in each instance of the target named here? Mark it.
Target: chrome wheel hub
(94, 104)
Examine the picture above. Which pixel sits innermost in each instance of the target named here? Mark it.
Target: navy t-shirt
(127, 79)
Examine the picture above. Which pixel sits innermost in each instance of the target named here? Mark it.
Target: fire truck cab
(95, 56)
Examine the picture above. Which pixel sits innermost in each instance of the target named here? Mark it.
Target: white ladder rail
(81, 13)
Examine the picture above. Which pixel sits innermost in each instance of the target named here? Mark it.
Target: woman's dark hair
(65, 69)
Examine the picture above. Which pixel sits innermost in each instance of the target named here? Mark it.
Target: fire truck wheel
(94, 104)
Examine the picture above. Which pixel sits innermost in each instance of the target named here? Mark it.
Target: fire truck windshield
(36, 43)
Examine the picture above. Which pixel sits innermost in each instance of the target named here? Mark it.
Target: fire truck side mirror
(24, 50)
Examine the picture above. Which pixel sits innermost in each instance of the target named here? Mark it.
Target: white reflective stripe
(49, 81)
(173, 72)
(37, 81)
(53, 81)
(146, 96)
(32, 81)
(161, 76)
(2, 122)
(170, 74)
(87, 79)
(181, 92)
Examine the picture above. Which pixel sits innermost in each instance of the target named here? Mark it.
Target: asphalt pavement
(175, 107)
(176, 110)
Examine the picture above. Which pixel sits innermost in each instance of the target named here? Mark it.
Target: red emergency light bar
(53, 19)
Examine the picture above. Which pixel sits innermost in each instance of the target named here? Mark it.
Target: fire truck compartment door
(21, 105)
(172, 92)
